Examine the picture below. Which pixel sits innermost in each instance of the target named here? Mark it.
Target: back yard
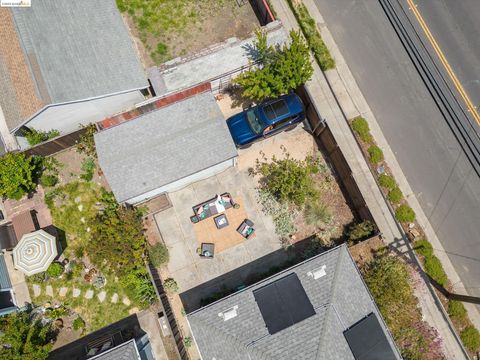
(165, 29)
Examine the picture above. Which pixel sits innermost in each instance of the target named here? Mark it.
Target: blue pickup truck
(266, 119)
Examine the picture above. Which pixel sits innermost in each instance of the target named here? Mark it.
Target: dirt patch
(164, 30)
(364, 252)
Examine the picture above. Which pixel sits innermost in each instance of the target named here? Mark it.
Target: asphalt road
(430, 156)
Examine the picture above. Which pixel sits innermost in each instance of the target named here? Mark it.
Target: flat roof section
(367, 340)
(283, 303)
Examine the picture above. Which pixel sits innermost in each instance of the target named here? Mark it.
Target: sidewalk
(351, 103)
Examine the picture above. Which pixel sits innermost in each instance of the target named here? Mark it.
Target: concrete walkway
(346, 102)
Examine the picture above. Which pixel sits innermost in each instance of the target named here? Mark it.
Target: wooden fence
(57, 144)
(327, 142)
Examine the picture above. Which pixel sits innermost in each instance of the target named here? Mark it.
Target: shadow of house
(124, 339)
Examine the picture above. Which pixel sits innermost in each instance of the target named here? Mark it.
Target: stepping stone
(114, 298)
(49, 290)
(126, 301)
(133, 310)
(63, 291)
(89, 294)
(76, 293)
(102, 296)
(37, 290)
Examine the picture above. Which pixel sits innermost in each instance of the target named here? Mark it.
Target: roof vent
(229, 314)
(318, 273)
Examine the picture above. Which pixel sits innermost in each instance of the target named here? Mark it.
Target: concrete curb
(356, 105)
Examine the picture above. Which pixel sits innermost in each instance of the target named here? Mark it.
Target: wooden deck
(225, 238)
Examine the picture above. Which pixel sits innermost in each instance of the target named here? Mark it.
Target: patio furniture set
(216, 208)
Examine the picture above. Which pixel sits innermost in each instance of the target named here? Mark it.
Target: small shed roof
(164, 145)
(5, 283)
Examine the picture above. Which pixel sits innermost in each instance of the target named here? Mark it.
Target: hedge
(360, 126)
(395, 195)
(387, 181)
(405, 214)
(376, 154)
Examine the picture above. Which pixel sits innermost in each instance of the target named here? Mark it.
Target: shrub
(375, 153)
(457, 311)
(48, 180)
(317, 214)
(137, 285)
(86, 143)
(360, 126)
(170, 285)
(35, 137)
(78, 323)
(434, 269)
(360, 231)
(395, 195)
(423, 247)
(88, 168)
(405, 214)
(158, 254)
(187, 342)
(315, 41)
(387, 181)
(280, 70)
(282, 217)
(471, 338)
(55, 269)
(289, 179)
(16, 175)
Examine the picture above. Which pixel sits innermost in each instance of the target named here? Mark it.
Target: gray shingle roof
(340, 299)
(126, 351)
(163, 146)
(78, 49)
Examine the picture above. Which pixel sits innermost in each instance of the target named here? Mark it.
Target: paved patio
(186, 266)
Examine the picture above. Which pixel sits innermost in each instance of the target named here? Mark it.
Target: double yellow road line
(443, 59)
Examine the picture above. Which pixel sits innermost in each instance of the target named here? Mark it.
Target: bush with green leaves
(395, 195)
(138, 285)
(360, 126)
(289, 179)
(457, 311)
(86, 143)
(317, 214)
(360, 231)
(170, 286)
(280, 69)
(471, 338)
(158, 254)
(314, 39)
(423, 247)
(434, 269)
(375, 154)
(187, 342)
(405, 214)
(282, 217)
(55, 269)
(387, 181)
(48, 180)
(35, 137)
(16, 175)
(78, 323)
(88, 168)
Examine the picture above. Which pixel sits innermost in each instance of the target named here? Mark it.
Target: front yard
(167, 29)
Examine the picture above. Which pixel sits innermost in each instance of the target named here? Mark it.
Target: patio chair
(246, 228)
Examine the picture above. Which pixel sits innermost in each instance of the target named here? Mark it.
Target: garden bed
(164, 30)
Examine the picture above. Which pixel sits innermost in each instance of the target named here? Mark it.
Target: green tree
(16, 175)
(25, 338)
(35, 137)
(289, 179)
(280, 69)
(118, 240)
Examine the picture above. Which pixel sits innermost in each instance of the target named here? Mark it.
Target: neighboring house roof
(164, 145)
(64, 51)
(304, 312)
(5, 283)
(126, 351)
(213, 62)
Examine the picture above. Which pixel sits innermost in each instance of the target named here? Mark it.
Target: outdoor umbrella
(35, 252)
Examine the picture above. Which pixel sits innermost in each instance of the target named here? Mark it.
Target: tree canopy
(279, 70)
(16, 175)
(25, 338)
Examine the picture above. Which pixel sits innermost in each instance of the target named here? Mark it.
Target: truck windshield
(254, 122)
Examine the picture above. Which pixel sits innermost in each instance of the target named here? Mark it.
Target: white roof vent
(318, 273)
(229, 314)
